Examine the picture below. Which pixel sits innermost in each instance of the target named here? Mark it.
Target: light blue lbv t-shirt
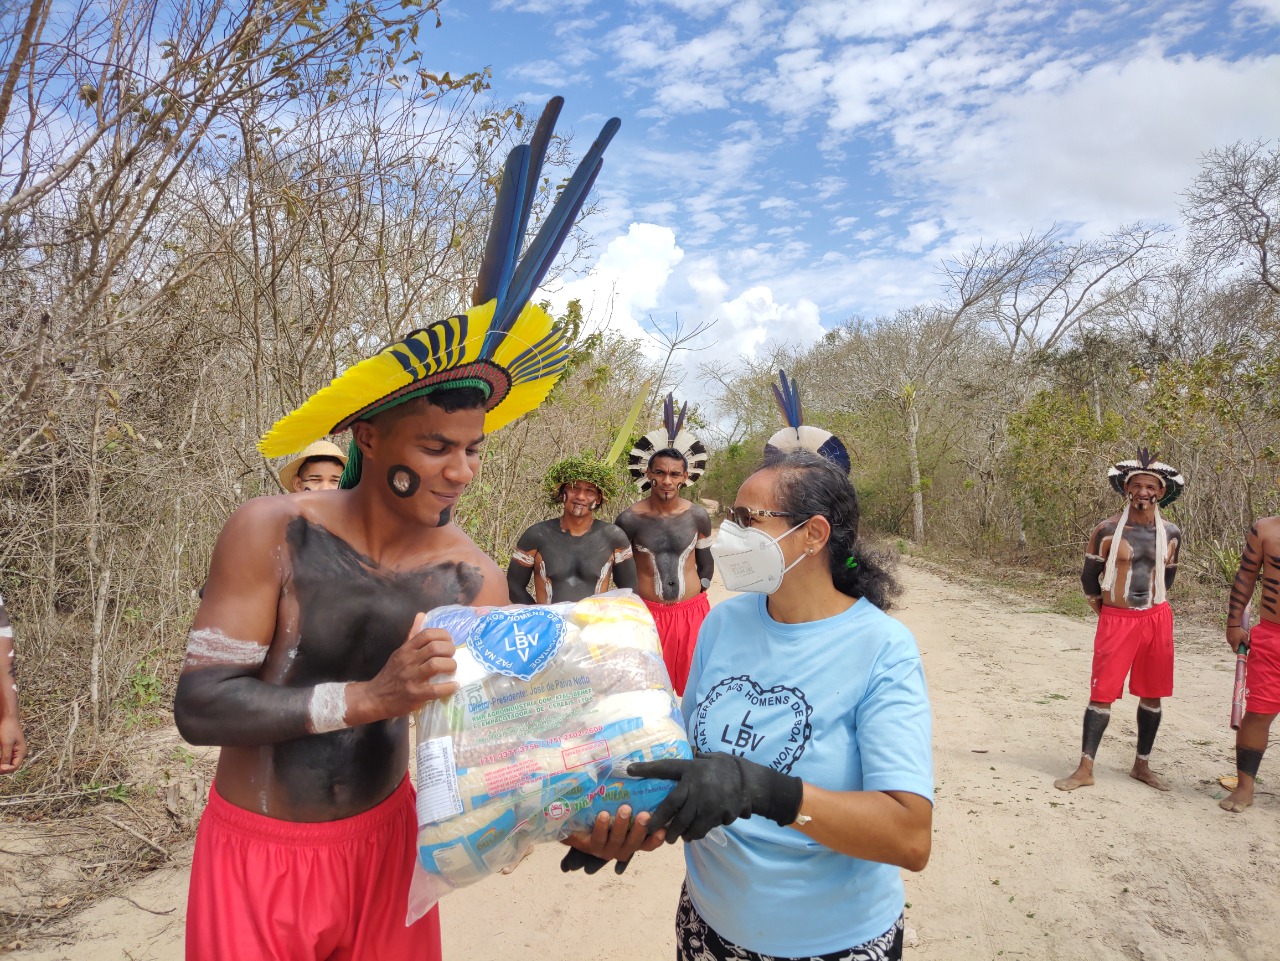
(840, 703)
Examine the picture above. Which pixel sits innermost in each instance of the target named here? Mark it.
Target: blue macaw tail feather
(782, 404)
(503, 244)
(538, 144)
(680, 422)
(669, 418)
(788, 399)
(542, 251)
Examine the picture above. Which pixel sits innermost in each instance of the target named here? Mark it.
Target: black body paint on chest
(352, 616)
(572, 564)
(1142, 562)
(669, 539)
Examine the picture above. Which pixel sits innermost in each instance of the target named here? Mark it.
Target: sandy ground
(1019, 869)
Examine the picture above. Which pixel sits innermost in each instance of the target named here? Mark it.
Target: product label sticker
(438, 796)
(583, 754)
(517, 643)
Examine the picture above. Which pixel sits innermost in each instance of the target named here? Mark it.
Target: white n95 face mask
(749, 560)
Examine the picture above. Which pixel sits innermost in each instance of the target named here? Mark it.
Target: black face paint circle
(446, 515)
(403, 481)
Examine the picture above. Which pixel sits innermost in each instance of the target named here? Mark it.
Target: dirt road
(1019, 870)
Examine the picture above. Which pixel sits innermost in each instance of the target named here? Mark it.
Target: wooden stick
(137, 834)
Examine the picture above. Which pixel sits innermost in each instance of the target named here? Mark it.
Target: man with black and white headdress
(1128, 568)
(671, 538)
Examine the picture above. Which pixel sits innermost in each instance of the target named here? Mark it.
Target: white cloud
(754, 318)
(1267, 8)
(921, 235)
(627, 281)
(1116, 143)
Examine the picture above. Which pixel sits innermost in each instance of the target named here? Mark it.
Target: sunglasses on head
(742, 515)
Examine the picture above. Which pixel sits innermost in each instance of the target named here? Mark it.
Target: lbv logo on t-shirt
(768, 725)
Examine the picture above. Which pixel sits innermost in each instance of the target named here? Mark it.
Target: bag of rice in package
(554, 702)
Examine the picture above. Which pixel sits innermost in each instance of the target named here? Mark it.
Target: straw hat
(320, 448)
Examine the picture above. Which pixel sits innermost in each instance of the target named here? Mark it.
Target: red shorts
(1141, 640)
(678, 626)
(265, 888)
(1262, 677)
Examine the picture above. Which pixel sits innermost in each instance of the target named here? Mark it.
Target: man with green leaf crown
(307, 654)
(573, 556)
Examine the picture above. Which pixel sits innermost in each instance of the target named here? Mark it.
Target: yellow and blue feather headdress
(504, 345)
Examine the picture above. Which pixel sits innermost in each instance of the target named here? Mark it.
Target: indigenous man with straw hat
(318, 468)
(671, 537)
(307, 654)
(1130, 565)
(572, 556)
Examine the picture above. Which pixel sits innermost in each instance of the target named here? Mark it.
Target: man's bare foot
(1142, 772)
(1237, 801)
(1081, 777)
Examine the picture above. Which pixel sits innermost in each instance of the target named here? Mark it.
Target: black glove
(715, 789)
(575, 860)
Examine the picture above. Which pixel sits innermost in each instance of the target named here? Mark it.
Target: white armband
(328, 708)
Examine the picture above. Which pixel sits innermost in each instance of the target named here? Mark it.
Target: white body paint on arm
(328, 708)
(209, 647)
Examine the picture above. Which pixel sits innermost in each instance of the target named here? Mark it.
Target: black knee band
(1248, 760)
(1095, 723)
(1148, 724)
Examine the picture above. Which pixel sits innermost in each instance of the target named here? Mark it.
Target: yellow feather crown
(518, 373)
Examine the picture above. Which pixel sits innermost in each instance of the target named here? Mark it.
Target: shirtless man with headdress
(1130, 565)
(1259, 562)
(574, 555)
(671, 537)
(307, 654)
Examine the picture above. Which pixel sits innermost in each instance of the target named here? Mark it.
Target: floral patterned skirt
(696, 941)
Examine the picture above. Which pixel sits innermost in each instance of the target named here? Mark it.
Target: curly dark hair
(810, 485)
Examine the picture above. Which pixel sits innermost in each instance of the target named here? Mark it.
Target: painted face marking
(403, 481)
(446, 515)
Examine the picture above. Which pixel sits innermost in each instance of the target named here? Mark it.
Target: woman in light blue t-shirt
(807, 710)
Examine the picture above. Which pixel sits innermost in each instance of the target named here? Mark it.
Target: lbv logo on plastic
(517, 643)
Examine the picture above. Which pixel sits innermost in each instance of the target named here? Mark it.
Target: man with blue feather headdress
(307, 654)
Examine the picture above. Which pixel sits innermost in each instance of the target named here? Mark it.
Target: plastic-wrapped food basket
(553, 703)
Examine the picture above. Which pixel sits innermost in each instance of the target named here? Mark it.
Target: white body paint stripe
(546, 581)
(684, 556)
(520, 557)
(657, 578)
(212, 646)
(328, 708)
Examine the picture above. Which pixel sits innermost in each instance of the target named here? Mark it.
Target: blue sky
(784, 166)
